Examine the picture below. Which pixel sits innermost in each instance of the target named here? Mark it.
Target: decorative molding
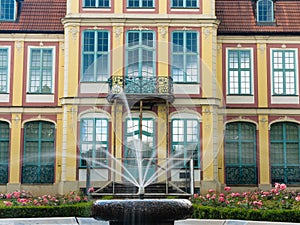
(207, 32)
(262, 47)
(163, 32)
(74, 31)
(141, 28)
(118, 32)
(19, 46)
(62, 46)
(39, 118)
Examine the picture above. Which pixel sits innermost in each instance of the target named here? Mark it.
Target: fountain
(142, 211)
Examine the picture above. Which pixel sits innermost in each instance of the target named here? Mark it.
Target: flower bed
(23, 198)
(278, 204)
(23, 204)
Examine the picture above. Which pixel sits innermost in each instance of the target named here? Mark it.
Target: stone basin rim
(146, 209)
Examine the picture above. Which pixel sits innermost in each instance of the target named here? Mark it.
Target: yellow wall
(18, 74)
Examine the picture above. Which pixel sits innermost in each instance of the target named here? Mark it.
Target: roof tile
(238, 16)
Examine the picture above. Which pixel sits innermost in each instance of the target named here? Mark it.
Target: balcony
(148, 89)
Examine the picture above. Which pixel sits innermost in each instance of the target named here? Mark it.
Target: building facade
(204, 93)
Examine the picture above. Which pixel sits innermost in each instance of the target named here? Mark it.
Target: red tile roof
(238, 17)
(38, 16)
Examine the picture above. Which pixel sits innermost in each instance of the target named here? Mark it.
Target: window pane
(95, 56)
(7, 9)
(94, 141)
(3, 70)
(285, 151)
(239, 72)
(265, 10)
(240, 153)
(284, 72)
(41, 71)
(97, 3)
(185, 141)
(140, 56)
(185, 59)
(39, 152)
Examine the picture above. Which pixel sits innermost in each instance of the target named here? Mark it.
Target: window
(185, 56)
(239, 72)
(7, 10)
(96, 3)
(140, 54)
(94, 142)
(4, 152)
(4, 70)
(184, 3)
(140, 3)
(41, 71)
(284, 72)
(95, 56)
(240, 153)
(39, 152)
(265, 11)
(185, 142)
(285, 153)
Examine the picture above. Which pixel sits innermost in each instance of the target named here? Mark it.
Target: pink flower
(297, 198)
(196, 195)
(222, 195)
(227, 188)
(7, 203)
(282, 187)
(277, 185)
(91, 190)
(208, 196)
(221, 199)
(211, 190)
(8, 196)
(17, 194)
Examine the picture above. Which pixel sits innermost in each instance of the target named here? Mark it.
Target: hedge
(74, 210)
(207, 212)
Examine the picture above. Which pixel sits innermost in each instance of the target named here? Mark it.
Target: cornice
(32, 37)
(139, 19)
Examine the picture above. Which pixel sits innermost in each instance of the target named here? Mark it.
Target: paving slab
(92, 221)
(26, 221)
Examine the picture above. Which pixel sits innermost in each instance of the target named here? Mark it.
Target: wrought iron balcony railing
(151, 87)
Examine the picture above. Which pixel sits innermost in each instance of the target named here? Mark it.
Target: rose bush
(24, 198)
(277, 198)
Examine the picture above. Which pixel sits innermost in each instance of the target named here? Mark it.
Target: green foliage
(76, 210)
(107, 197)
(279, 215)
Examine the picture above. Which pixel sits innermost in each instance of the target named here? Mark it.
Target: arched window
(94, 142)
(240, 153)
(39, 152)
(285, 153)
(4, 152)
(265, 11)
(140, 145)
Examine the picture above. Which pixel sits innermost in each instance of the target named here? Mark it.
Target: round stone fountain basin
(142, 211)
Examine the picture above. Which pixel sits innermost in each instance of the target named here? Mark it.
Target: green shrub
(75, 210)
(281, 215)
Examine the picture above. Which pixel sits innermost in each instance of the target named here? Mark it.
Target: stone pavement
(91, 221)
